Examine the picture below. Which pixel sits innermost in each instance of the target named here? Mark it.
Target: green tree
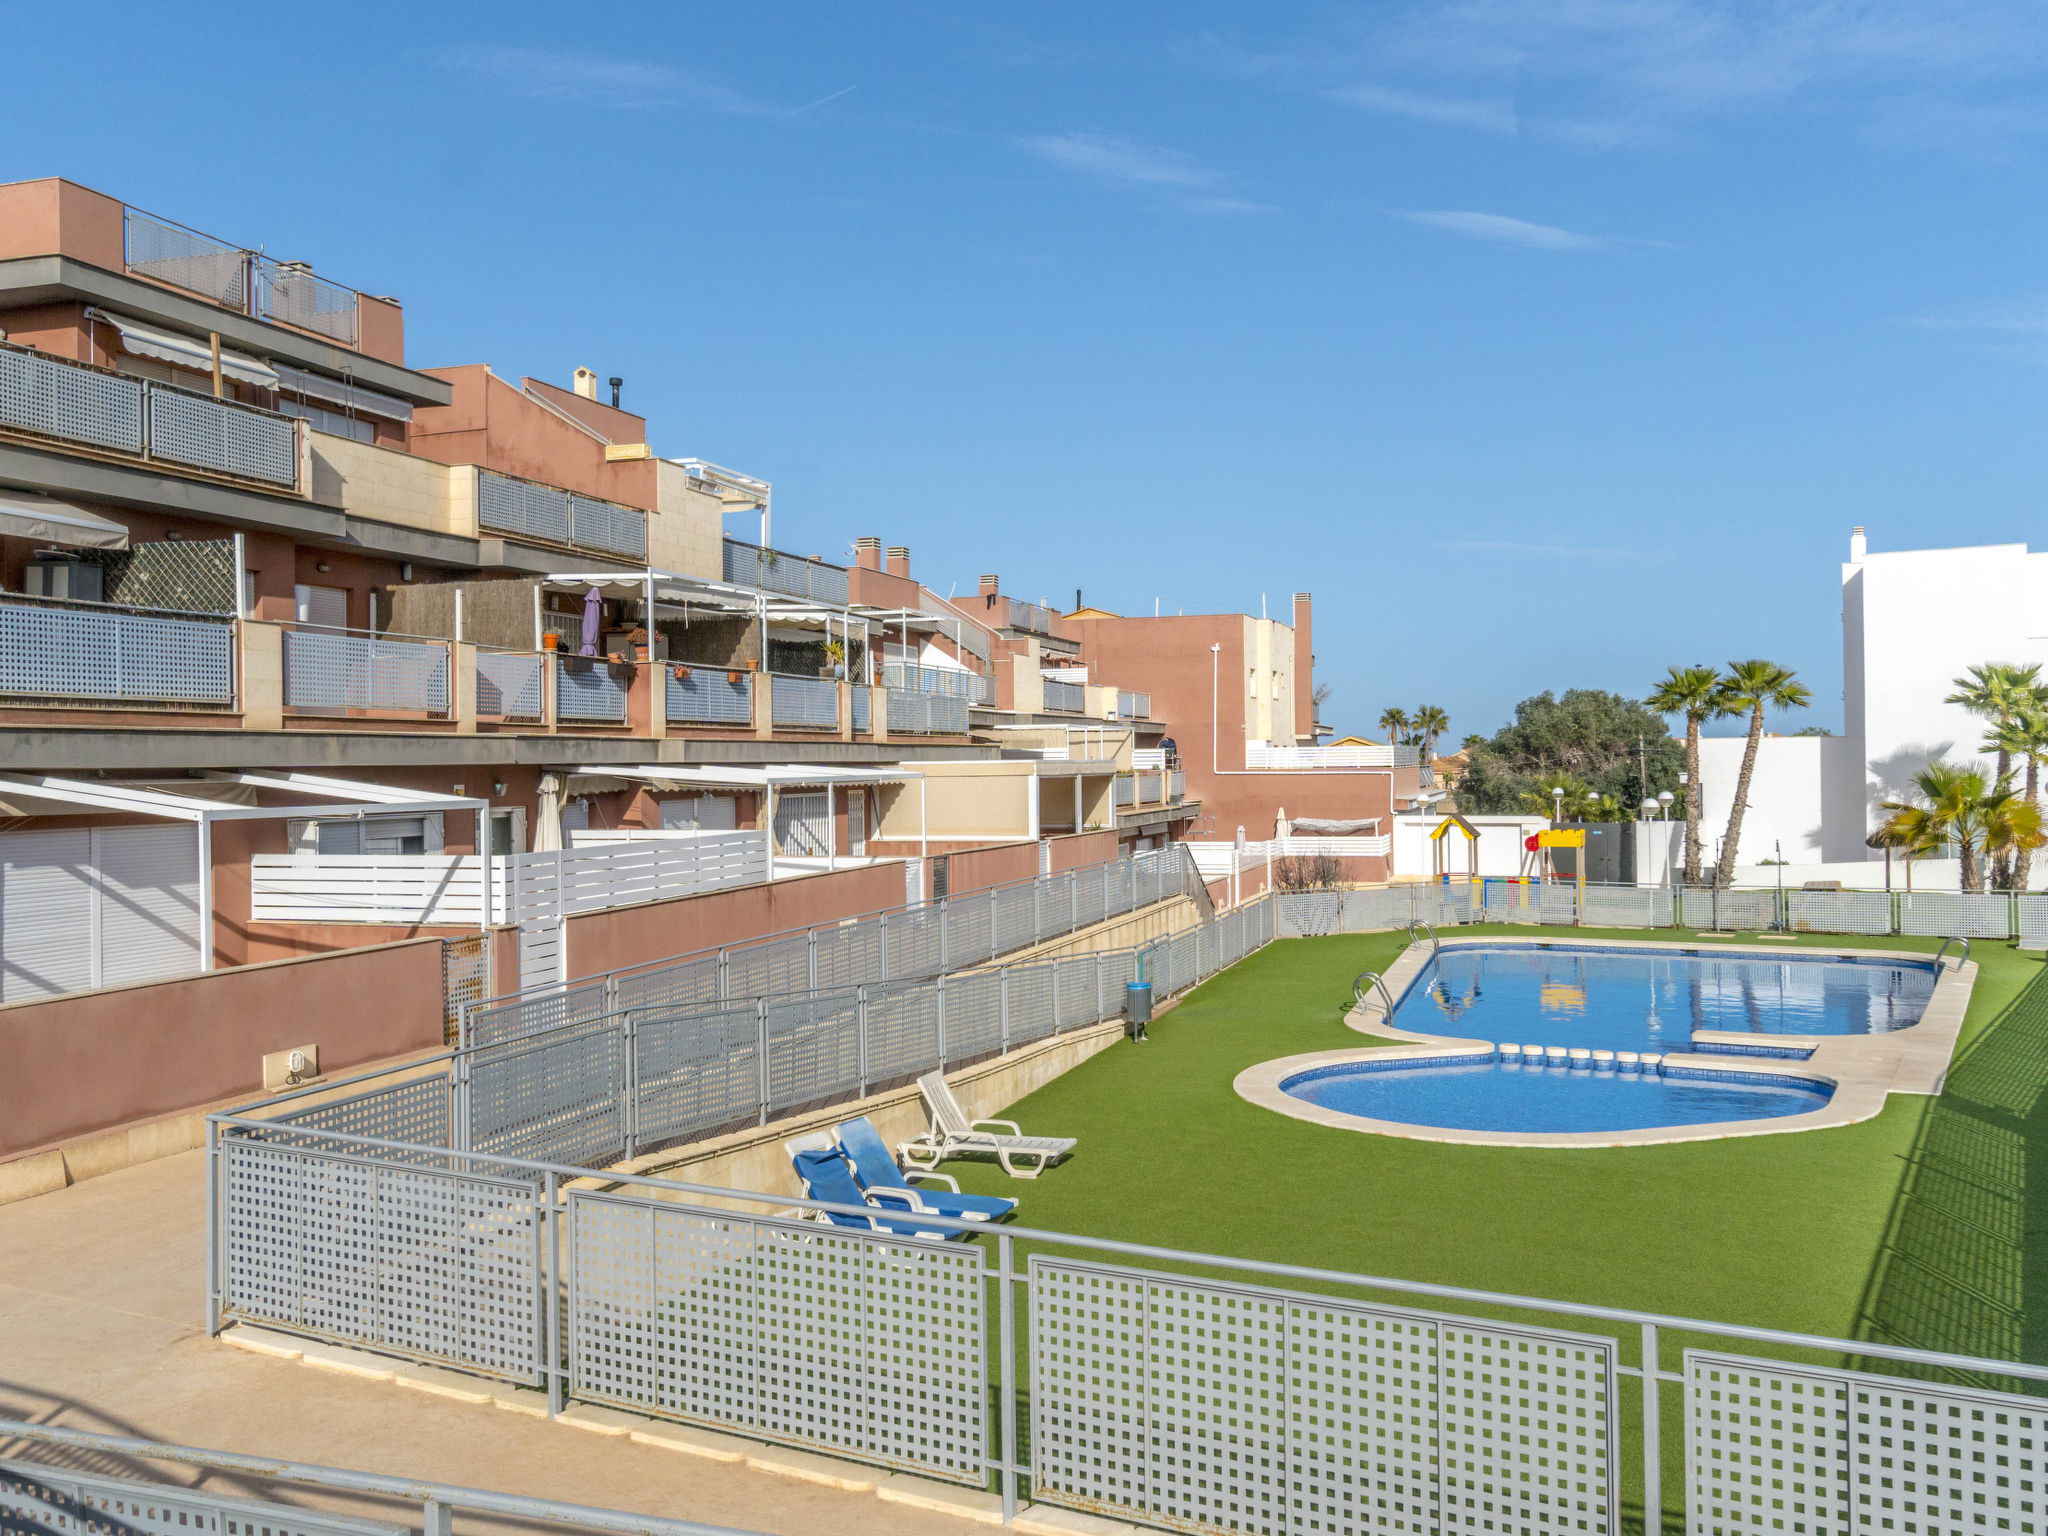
(2001, 693)
(1696, 693)
(1959, 808)
(1541, 798)
(1755, 686)
(1393, 720)
(1432, 723)
(1589, 734)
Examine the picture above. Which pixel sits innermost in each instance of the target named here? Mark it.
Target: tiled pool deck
(1861, 1069)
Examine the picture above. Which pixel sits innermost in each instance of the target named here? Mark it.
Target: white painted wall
(1500, 844)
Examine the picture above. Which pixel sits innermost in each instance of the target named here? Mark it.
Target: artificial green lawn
(1922, 1226)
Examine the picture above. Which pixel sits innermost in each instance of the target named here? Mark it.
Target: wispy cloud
(1612, 73)
(1119, 159)
(1499, 227)
(1184, 184)
(1492, 116)
(621, 85)
(2017, 330)
(1555, 551)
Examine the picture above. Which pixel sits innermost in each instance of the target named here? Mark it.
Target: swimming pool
(1486, 1094)
(1657, 999)
(1571, 1042)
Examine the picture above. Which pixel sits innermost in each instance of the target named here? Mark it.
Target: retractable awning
(342, 392)
(58, 522)
(186, 351)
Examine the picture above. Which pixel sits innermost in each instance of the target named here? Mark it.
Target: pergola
(228, 796)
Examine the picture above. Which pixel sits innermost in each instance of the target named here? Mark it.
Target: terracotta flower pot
(551, 641)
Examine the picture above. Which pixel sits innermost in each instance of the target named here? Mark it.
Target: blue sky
(1545, 344)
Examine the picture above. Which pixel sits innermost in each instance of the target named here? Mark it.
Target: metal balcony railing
(511, 685)
(1259, 754)
(910, 678)
(1134, 706)
(1176, 786)
(53, 651)
(1030, 617)
(239, 279)
(809, 703)
(330, 671)
(506, 504)
(770, 570)
(1126, 791)
(77, 403)
(863, 710)
(586, 690)
(926, 714)
(698, 695)
(1065, 696)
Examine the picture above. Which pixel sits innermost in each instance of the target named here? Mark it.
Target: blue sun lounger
(828, 1175)
(876, 1169)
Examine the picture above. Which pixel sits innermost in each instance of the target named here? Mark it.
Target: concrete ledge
(1051, 1520)
(1861, 1070)
(941, 1498)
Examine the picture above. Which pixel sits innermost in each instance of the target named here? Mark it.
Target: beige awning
(195, 353)
(58, 522)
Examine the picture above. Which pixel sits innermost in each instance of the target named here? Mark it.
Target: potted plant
(835, 652)
(550, 641)
(682, 673)
(734, 675)
(638, 640)
(751, 664)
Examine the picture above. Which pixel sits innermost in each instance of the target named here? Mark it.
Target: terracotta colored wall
(81, 1063)
(621, 426)
(883, 590)
(1304, 668)
(1083, 848)
(57, 217)
(59, 329)
(380, 329)
(606, 941)
(491, 423)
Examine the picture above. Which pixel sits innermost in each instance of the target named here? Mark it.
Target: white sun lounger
(953, 1134)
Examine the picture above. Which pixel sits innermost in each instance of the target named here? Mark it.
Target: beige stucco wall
(963, 800)
(685, 534)
(368, 481)
(1269, 685)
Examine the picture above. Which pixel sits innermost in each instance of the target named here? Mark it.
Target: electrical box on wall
(294, 1068)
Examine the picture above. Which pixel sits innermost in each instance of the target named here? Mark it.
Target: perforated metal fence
(907, 677)
(586, 688)
(53, 398)
(184, 258)
(505, 504)
(1939, 914)
(772, 570)
(706, 695)
(926, 714)
(57, 1501)
(1070, 697)
(863, 701)
(807, 702)
(292, 295)
(331, 673)
(219, 435)
(56, 652)
(511, 685)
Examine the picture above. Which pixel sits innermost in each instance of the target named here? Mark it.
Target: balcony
(771, 570)
(333, 672)
(285, 293)
(698, 695)
(1030, 618)
(51, 651)
(926, 714)
(1259, 754)
(1069, 697)
(76, 403)
(588, 691)
(910, 678)
(805, 703)
(547, 514)
(1133, 706)
(1153, 787)
(511, 686)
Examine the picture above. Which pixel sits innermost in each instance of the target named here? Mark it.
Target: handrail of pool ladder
(1358, 992)
(1435, 945)
(1957, 939)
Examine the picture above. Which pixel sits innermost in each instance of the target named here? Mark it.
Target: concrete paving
(102, 1328)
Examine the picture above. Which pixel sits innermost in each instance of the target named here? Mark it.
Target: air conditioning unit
(58, 576)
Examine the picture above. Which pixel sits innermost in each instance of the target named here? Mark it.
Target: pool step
(1580, 1058)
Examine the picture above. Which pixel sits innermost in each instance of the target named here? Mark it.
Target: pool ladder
(1944, 950)
(1378, 981)
(1435, 945)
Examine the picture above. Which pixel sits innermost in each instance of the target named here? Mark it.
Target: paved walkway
(102, 1328)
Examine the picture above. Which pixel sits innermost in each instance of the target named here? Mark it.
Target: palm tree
(1756, 686)
(1910, 830)
(1999, 691)
(1542, 800)
(1393, 720)
(1696, 693)
(1978, 820)
(1432, 722)
(2012, 827)
(2031, 741)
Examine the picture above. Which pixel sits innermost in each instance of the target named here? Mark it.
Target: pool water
(1653, 1000)
(1648, 1002)
(1494, 1096)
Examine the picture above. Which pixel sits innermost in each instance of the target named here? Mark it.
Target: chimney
(988, 586)
(1858, 545)
(899, 560)
(1077, 599)
(867, 553)
(1304, 672)
(586, 383)
(615, 381)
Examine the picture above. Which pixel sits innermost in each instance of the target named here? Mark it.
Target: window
(700, 813)
(325, 606)
(942, 876)
(857, 822)
(376, 836)
(333, 423)
(576, 815)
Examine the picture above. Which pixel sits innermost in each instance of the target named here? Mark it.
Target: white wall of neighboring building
(1805, 796)
(1499, 847)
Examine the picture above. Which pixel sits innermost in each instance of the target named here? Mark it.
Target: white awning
(185, 351)
(349, 396)
(663, 777)
(58, 522)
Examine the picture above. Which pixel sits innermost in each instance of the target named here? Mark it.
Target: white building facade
(1912, 623)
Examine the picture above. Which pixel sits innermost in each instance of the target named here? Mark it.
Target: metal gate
(803, 825)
